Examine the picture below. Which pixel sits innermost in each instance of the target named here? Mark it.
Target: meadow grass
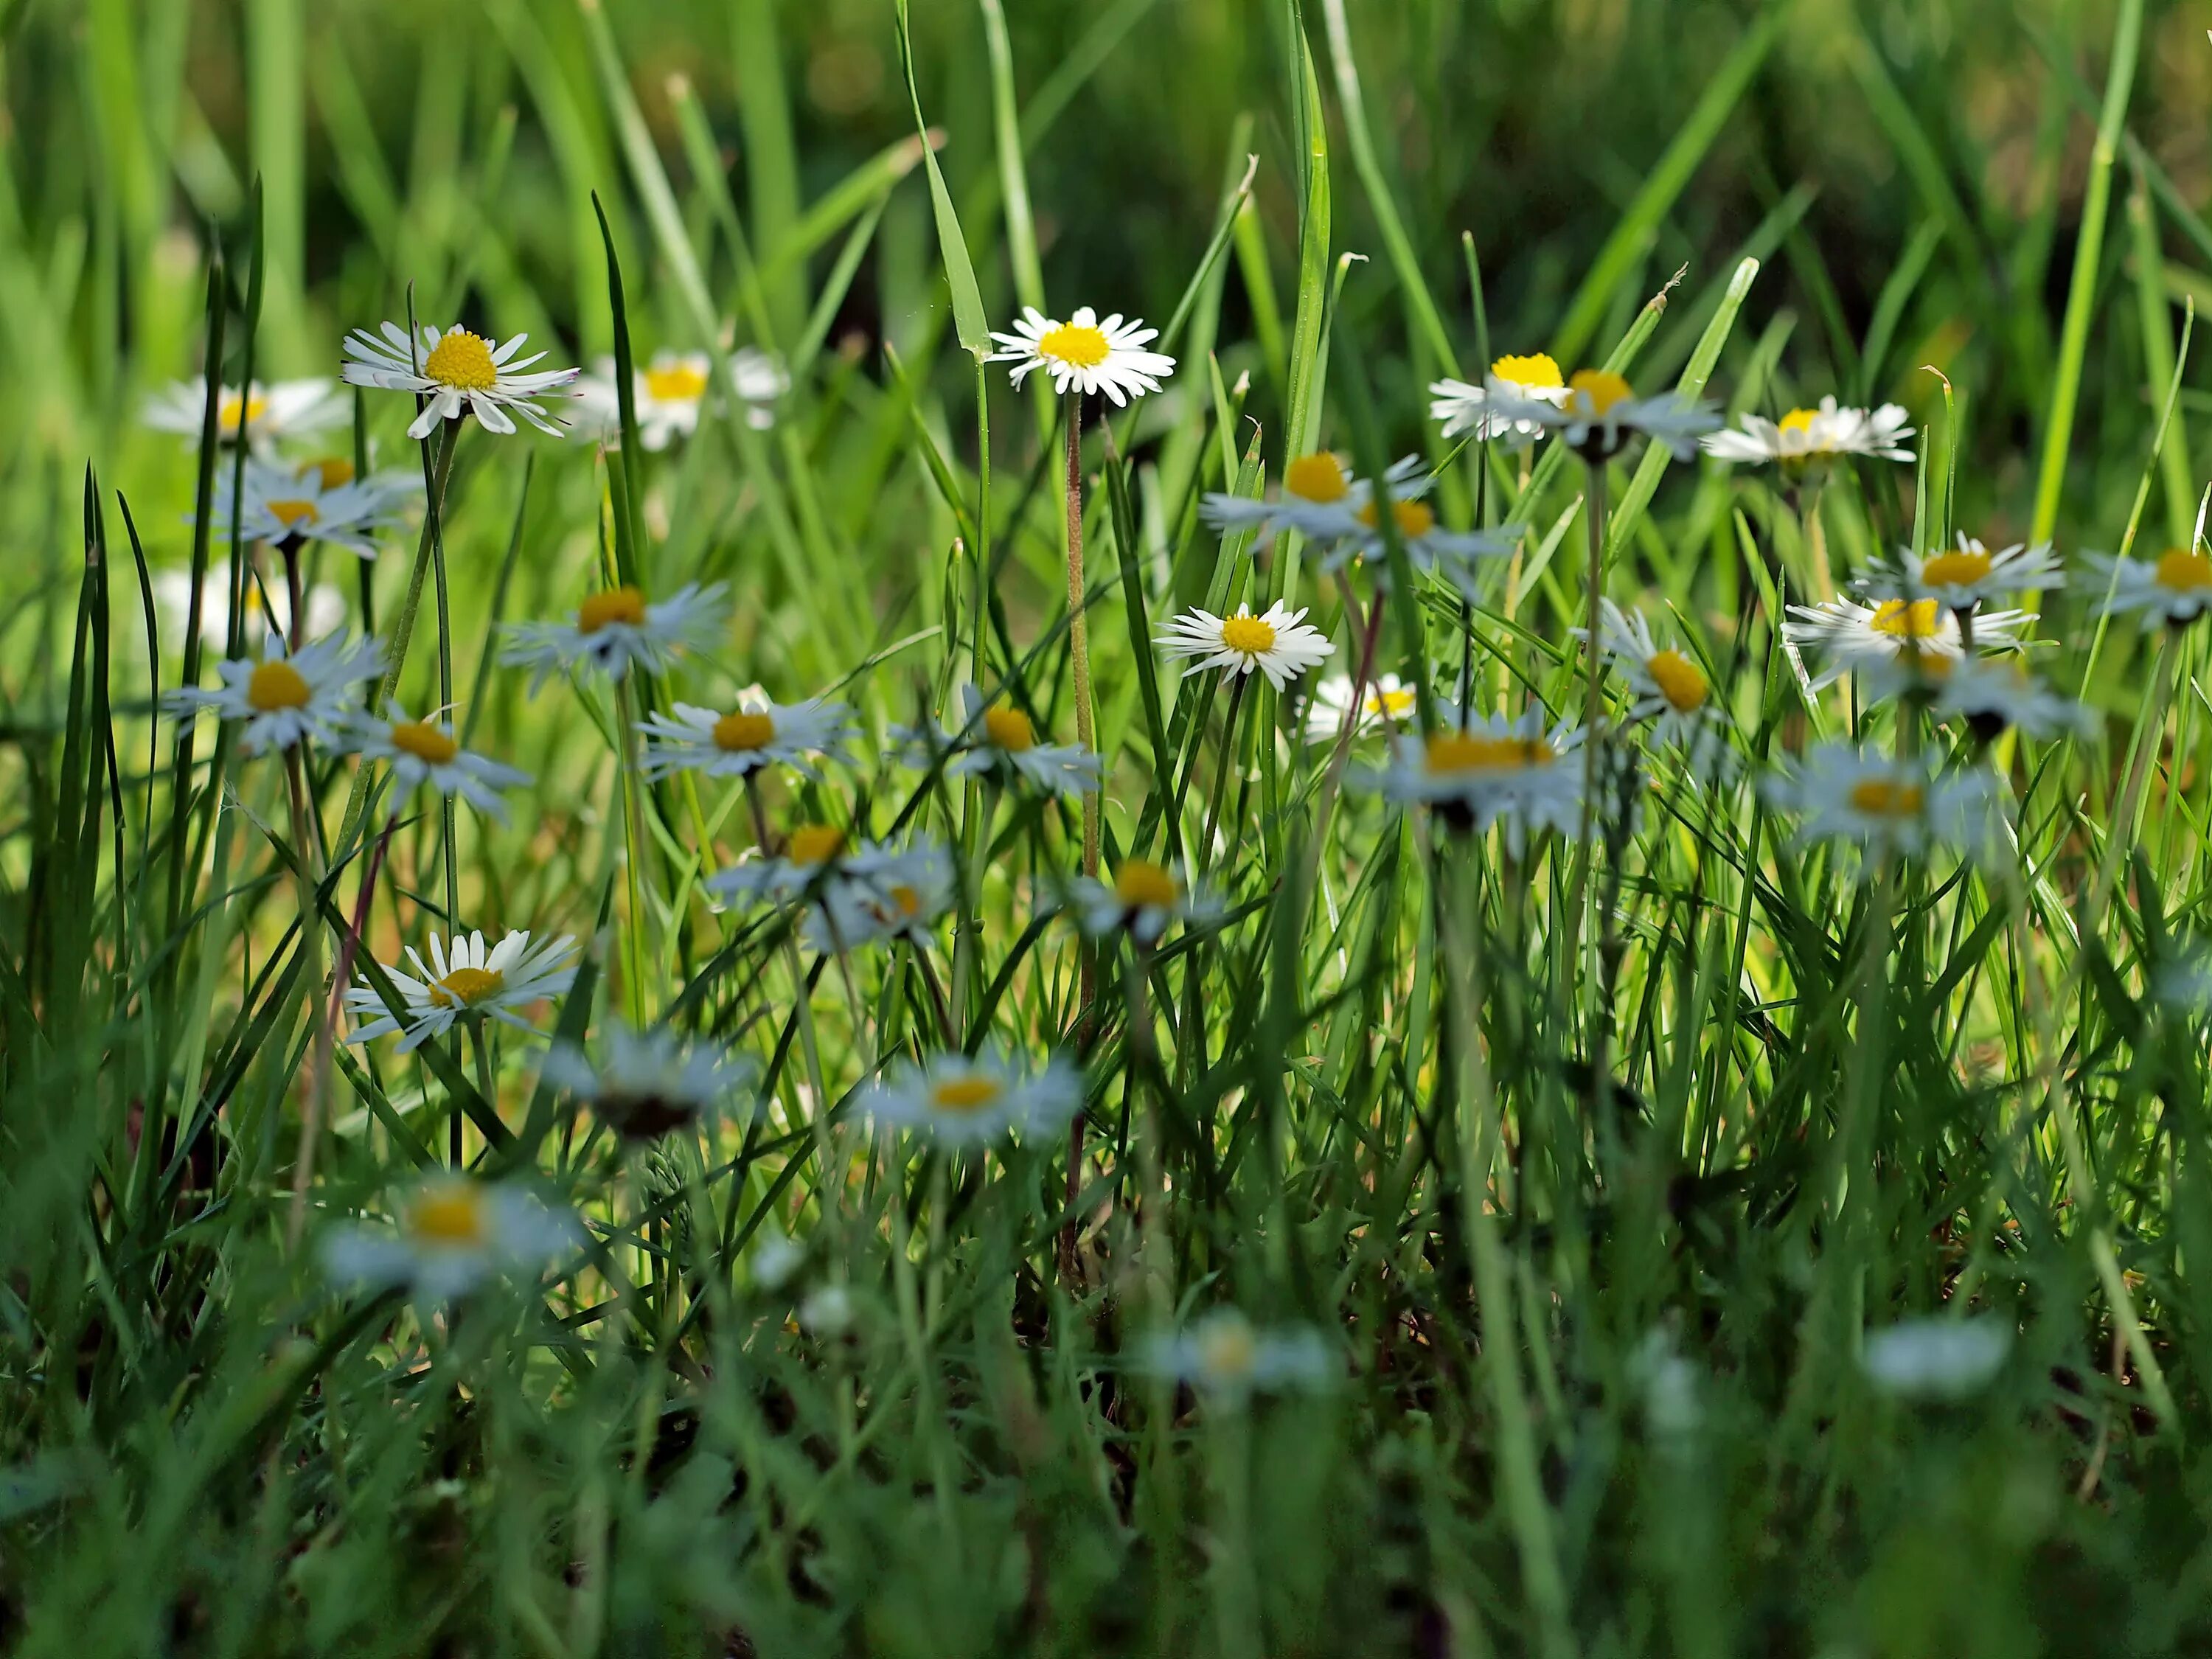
(1573, 1206)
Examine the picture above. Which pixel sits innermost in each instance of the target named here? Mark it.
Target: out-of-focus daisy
(288, 695)
(1600, 412)
(965, 1100)
(1144, 899)
(1431, 549)
(1482, 410)
(426, 752)
(1002, 740)
(1941, 1359)
(1494, 769)
(772, 1260)
(1854, 633)
(673, 390)
(454, 1232)
(1970, 575)
(459, 372)
(1887, 803)
(325, 606)
(1990, 695)
(1319, 499)
(268, 413)
(827, 1310)
(817, 856)
(647, 1083)
(464, 980)
(1805, 438)
(284, 504)
(616, 628)
(884, 895)
(1277, 642)
(1222, 1353)
(757, 733)
(2175, 588)
(1388, 699)
(1671, 690)
(1085, 354)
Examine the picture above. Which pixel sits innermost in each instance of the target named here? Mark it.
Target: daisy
(1807, 438)
(815, 857)
(1936, 1358)
(1223, 1354)
(459, 372)
(1600, 412)
(1002, 741)
(673, 390)
(1319, 499)
(1481, 771)
(325, 606)
(1992, 695)
(973, 1101)
(1857, 634)
(827, 1310)
(454, 1232)
(773, 1261)
(1388, 700)
(1277, 642)
(616, 628)
(884, 895)
(1889, 806)
(279, 409)
(1971, 576)
(758, 733)
(1670, 690)
(1144, 898)
(1429, 547)
(647, 1083)
(1085, 354)
(2174, 588)
(285, 506)
(1463, 409)
(464, 980)
(288, 695)
(426, 752)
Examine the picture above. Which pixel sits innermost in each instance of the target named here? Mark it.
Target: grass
(1592, 1173)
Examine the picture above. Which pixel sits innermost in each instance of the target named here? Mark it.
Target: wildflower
(1144, 899)
(1319, 499)
(647, 1083)
(1481, 410)
(267, 413)
(459, 372)
(1889, 806)
(673, 390)
(1856, 634)
(965, 1100)
(1807, 439)
(1001, 740)
(1670, 690)
(827, 1310)
(1085, 354)
(1429, 547)
(1277, 642)
(325, 607)
(758, 733)
(1600, 412)
(426, 751)
(1970, 575)
(816, 858)
(464, 980)
(882, 895)
(1990, 695)
(613, 629)
(774, 1260)
(1944, 1359)
(1223, 1355)
(283, 505)
(1388, 700)
(2174, 588)
(288, 695)
(453, 1233)
(1480, 771)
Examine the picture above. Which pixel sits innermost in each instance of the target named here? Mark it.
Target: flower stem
(1078, 636)
(311, 945)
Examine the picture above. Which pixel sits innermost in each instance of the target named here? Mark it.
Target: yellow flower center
(1903, 620)
(908, 901)
(450, 1215)
(1799, 421)
(1227, 1352)
(1248, 636)
(1318, 478)
(230, 405)
(1535, 372)
(1885, 797)
(330, 472)
(1141, 883)
(1075, 345)
(276, 685)
(1959, 569)
(2183, 573)
(1009, 729)
(675, 383)
(815, 843)
(617, 604)
(467, 987)
(1415, 519)
(970, 1093)
(744, 731)
(293, 515)
(1679, 681)
(1597, 389)
(424, 741)
(1447, 752)
(1397, 704)
(463, 362)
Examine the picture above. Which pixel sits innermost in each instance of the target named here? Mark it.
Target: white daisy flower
(1388, 700)
(269, 413)
(1319, 499)
(1854, 634)
(1223, 1355)
(815, 857)
(1463, 409)
(464, 980)
(616, 628)
(758, 733)
(1144, 898)
(1888, 804)
(2174, 588)
(647, 1083)
(1001, 740)
(288, 695)
(327, 608)
(459, 372)
(1600, 412)
(454, 1232)
(1453, 555)
(1988, 695)
(1086, 354)
(673, 390)
(1944, 1360)
(965, 1100)
(281, 504)
(1492, 769)
(1970, 575)
(426, 753)
(1277, 642)
(881, 895)
(1670, 690)
(1806, 438)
